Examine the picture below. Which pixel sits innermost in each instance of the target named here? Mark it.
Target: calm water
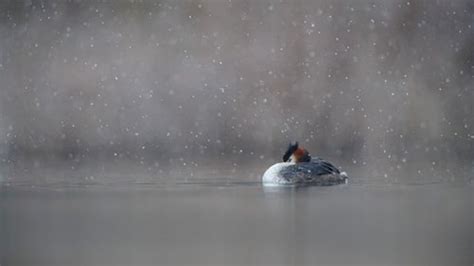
(232, 221)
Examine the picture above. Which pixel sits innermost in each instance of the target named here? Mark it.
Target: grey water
(51, 217)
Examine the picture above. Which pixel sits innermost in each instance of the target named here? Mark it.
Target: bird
(299, 168)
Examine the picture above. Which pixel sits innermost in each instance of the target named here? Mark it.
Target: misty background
(377, 86)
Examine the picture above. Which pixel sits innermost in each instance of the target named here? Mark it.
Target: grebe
(298, 168)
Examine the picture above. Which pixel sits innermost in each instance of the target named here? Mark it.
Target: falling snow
(373, 84)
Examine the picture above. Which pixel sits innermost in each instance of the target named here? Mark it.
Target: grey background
(374, 84)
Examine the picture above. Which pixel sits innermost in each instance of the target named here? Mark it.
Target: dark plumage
(292, 147)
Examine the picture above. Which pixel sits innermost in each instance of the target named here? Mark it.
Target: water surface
(233, 221)
(241, 224)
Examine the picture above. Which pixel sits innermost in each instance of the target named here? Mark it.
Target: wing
(306, 172)
(322, 167)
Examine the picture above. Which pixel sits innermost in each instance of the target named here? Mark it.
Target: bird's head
(296, 154)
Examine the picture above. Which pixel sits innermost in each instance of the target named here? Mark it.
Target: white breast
(273, 175)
